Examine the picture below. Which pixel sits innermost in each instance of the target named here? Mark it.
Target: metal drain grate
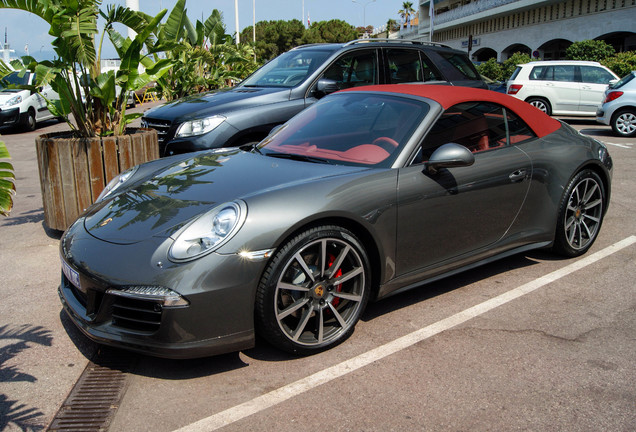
(96, 396)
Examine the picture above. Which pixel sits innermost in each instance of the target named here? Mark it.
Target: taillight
(514, 89)
(612, 96)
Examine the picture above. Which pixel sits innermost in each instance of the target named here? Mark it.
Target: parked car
(564, 87)
(21, 107)
(619, 107)
(295, 80)
(368, 192)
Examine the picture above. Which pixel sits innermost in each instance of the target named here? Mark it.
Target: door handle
(518, 175)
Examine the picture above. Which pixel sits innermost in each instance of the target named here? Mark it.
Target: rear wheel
(624, 123)
(314, 291)
(580, 214)
(541, 104)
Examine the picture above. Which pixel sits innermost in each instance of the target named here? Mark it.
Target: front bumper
(9, 117)
(219, 289)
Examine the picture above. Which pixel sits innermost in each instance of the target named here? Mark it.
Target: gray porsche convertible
(366, 193)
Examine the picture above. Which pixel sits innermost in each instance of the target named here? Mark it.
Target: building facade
(542, 29)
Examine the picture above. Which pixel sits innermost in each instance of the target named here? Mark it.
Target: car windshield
(350, 128)
(287, 70)
(15, 78)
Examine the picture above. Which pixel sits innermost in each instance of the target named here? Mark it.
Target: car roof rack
(414, 42)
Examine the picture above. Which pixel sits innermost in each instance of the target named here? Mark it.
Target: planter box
(74, 171)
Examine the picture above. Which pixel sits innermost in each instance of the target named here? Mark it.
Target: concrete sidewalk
(42, 354)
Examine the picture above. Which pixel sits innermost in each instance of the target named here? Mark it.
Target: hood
(217, 102)
(6, 94)
(163, 202)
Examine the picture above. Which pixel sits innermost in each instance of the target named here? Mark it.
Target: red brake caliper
(338, 287)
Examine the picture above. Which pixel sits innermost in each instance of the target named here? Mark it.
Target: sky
(24, 28)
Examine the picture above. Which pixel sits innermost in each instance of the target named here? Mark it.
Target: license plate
(71, 274)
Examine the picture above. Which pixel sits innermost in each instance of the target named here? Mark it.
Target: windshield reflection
(349, 129)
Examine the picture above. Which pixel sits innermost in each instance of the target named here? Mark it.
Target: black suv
(294, 80)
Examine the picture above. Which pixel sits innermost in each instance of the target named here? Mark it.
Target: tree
(591, 50)
(407, 11)
(89, 101)
(274, 37)
(392, 26)
(491, 69)
(509, 66)
(333, 31)
(205, 56)
(621, 63)
(7, 185)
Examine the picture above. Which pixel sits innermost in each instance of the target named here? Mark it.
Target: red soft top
(447, 96)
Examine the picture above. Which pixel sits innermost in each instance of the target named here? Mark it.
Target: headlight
(199, 127)
(13, 101)
(209, 232)
(116, 183)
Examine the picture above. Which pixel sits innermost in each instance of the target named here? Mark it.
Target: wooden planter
(74, 171)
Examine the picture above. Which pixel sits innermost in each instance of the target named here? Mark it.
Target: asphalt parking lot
(532, 342)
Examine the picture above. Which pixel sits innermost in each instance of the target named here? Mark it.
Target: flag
(308, 20)
(431, 14)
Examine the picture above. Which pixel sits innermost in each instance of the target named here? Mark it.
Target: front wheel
(624, 123)
(29, 122)
(313, 292)
(580, 214)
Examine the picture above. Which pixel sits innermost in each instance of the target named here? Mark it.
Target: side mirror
(326, 86)
(448, 156)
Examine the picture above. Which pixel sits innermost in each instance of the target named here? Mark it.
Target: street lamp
(364, 11)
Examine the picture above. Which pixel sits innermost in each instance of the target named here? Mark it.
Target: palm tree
(391, 26)
(407, 11)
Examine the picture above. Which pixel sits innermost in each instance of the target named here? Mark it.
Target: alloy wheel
(320, 292)
(584, 213)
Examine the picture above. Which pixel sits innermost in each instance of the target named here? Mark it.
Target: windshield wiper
(302, 158)
(251, 147)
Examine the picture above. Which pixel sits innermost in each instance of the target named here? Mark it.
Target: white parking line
(284, 393)
(628, 145)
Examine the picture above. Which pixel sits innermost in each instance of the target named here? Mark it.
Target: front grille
(161, 126)
(137, 315)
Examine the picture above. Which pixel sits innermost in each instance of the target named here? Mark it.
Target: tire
(580, 214)
(301, 306)
(541, 104)
(624, 123)
(28, 122)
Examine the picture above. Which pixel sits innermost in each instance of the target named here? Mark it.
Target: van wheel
(29, 120)
(541, 104)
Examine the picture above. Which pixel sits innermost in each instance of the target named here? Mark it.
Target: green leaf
(174, 28)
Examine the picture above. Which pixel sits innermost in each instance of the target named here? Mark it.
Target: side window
(405, 65)
(357, 68)
(518, 130)
(462, 64)
(595, 75)
(478, 126)
(564, 73)
(542, 73)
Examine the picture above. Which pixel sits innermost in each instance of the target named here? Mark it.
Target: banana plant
(93, 102)
(7, 181)
(205, 56)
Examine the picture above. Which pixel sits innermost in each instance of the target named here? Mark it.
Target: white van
(24, 108)
(561, 87)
